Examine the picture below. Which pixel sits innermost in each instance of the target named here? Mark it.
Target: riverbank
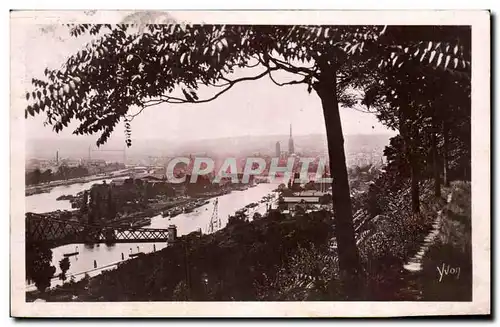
(127, 220)
(47, 187)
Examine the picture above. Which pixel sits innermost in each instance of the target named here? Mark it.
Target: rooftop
(298, 199)
(309, 193)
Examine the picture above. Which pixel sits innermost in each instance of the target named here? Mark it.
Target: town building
(310, 199)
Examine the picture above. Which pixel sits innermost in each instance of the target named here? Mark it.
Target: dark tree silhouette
(84, 208)
(111, 206)
(38, 265)
(64, 265)
(417, 99)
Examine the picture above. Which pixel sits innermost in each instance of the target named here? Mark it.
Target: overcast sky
(250, 108)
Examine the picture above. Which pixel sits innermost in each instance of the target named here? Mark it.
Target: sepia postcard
(250, 163)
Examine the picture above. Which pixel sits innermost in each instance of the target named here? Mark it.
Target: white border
(480, 186)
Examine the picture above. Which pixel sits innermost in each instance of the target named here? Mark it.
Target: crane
(215, 222)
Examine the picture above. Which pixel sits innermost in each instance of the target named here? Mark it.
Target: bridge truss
(56, 232)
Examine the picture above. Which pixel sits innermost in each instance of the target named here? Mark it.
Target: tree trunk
(445, 154)
(415, 176)
(409, 149)
(435, 164)
(349, 260)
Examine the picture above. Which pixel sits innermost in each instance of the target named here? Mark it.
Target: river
(107, 256)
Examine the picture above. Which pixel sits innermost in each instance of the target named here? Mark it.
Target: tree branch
(287, 83)
(176, 100)
(291, 68)
(286, 66)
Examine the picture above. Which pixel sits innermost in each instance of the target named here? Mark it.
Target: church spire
(291, 148)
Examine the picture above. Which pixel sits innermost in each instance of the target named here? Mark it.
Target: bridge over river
(56, 232)
(128, 240)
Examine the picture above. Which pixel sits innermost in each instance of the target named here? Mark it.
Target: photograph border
(479, 20)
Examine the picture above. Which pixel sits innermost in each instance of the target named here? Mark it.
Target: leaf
(27, 96)
(224, 42)
(353, 49)
(130, 57)
(440, 58)
(423, 56)
(219, 46)
(195, 96)
(429, 46)
(188, 96)
(447, 61)
(395, 60)
(433, 53)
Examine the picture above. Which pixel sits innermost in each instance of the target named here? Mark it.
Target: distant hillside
(264, 144)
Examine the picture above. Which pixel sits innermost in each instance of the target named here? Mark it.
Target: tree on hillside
(38, 265)
(64, 265)
(413, 98)
(84, 208)
(34, 177)
(127, 67)
(63, 172)
(111, 206)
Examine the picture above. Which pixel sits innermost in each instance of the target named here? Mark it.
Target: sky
(249, 108)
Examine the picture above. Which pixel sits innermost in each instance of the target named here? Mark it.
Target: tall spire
(291, 148)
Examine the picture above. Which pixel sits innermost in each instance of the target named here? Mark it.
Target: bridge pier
(172, 233)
